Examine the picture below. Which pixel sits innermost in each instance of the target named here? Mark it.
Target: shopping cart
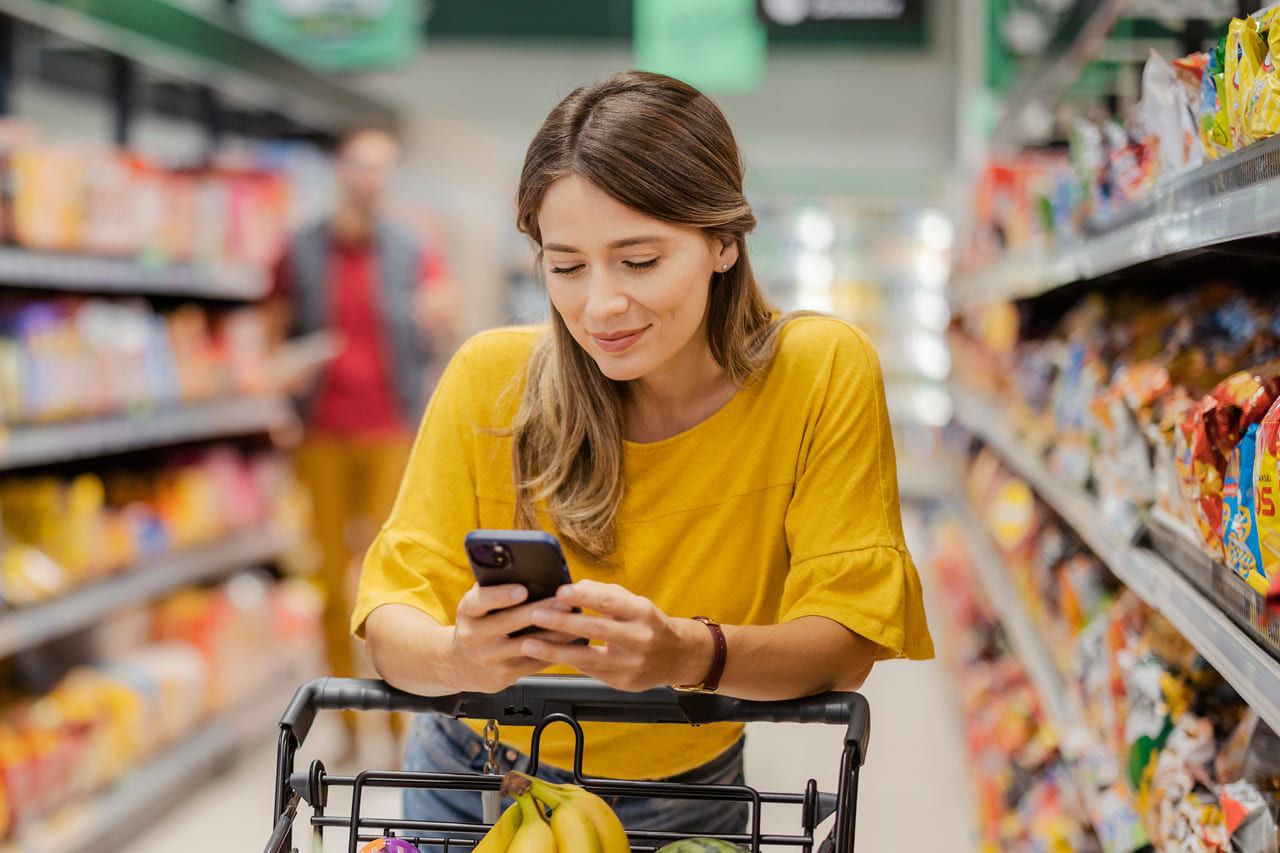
(542, 701)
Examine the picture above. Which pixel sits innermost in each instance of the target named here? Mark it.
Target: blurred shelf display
(110, 819)
(1233, 198)
(1235, 655)
(31, 625)
(1028, 641)
(25, 268)
(27, 446)
(208, 49)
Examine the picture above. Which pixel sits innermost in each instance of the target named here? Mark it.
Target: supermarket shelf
(92, 274)
(26, 627)
(209, 49)
(1248, 667)
(23, 447)
(1027, 640)
(107, 822)
(1234, 198)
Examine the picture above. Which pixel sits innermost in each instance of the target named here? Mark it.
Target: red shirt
(356, 396)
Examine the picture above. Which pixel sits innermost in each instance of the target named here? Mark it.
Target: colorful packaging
(1245, 52)
(1239, 513)
(1267, 479)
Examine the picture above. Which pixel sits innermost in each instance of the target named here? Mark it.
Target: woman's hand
(483, 657)
(642, 646)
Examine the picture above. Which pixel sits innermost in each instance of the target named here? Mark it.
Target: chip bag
(1239, 514)
(1245, 52)
(1267, 480)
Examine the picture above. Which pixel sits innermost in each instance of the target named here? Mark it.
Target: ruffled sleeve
(848, 558)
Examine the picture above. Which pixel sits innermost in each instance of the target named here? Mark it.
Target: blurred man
(385, 299)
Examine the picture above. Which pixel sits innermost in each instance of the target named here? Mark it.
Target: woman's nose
(605, 298)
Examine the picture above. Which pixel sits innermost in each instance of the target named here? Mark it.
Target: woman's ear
(728, 254)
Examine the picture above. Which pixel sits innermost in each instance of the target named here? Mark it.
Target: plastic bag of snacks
(1267, 478)
(1245, 52)
(1239, 513)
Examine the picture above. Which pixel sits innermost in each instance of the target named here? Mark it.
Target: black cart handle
(531, 700)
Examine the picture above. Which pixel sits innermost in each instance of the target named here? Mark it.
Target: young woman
(697, 454)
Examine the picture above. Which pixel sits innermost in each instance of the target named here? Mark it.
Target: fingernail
(561, 606)
(517, 593)
(541, 615)
(531, 647)
(565, 593)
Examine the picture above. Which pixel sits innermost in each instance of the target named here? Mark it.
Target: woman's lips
(619, 341)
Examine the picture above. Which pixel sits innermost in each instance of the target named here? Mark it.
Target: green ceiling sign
(339, 35)
(720, 46)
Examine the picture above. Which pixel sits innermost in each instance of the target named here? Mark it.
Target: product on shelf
(1192, 109)
(104, 719)
(1021, 787)
(76, 198)
(1171, 755)
(61, 533)
(68, 358)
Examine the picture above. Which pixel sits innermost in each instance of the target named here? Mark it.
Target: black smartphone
(531, 558)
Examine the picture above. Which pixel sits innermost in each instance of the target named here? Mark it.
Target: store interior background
(862, 161)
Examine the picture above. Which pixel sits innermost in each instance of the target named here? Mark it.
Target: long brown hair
(664, 149)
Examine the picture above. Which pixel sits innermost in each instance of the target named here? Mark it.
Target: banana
(498, 838)
(609, 830)
(574, 831)
(534, 834)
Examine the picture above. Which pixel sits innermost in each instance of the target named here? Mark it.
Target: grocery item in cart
(389, 845)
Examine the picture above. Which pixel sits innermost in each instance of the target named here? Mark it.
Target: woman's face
(632, 290)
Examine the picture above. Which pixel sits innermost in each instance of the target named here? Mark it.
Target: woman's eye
(567, 270)
(641, 265)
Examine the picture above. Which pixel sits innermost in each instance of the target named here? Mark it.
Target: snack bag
(1267, 480)
(1201, 479)
(1239, 515)
(1245, 52)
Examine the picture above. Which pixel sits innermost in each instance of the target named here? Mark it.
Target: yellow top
(782, 504)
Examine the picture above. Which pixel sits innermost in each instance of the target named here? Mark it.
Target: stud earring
(724, 267)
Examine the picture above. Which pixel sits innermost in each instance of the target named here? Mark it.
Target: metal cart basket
(540, 701)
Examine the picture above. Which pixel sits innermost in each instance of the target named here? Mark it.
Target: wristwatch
(711, 683)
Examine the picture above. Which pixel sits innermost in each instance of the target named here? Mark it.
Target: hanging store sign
(339, 35)
(792, 12)
(717, 45)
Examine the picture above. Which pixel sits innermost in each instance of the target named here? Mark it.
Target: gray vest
(398, 269)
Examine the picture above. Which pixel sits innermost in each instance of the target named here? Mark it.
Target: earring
(724, 267)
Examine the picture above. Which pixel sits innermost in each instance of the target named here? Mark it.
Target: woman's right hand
(483, 656)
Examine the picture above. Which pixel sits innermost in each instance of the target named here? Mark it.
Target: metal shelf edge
(39, 270)
(27, 446)
(1236, 657)
(26, 627)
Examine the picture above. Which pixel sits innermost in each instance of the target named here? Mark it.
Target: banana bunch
(580, 822)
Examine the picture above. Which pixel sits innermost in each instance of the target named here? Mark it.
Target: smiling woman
(723, 476)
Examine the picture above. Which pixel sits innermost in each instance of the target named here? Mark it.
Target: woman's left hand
(642, 647)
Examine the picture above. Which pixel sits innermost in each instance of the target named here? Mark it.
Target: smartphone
(530, 558)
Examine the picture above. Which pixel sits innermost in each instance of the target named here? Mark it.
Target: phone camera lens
(495, 556)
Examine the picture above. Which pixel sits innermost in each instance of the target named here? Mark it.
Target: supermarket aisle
(914, 759)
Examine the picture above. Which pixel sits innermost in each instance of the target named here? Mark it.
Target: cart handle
(533, 699)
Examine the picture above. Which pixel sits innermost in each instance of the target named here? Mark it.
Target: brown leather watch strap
(711, 683)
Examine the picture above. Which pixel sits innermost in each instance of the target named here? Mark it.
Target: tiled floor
(914, 764)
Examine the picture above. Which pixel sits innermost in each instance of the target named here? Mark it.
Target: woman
(697, 455)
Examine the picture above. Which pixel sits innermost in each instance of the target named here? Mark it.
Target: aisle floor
(915, 763)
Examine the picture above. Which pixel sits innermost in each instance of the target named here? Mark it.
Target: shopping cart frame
(541, 701)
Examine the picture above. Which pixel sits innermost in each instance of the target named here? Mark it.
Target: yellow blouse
(782, 504)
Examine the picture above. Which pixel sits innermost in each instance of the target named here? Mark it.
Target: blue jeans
(443, 745)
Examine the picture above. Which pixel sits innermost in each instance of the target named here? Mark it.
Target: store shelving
(91, 274)
(107, 821)
(1246, 666)
(1236, 197)
(1058, 703)
(26, 446)
(208, 48)
(26, 627)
